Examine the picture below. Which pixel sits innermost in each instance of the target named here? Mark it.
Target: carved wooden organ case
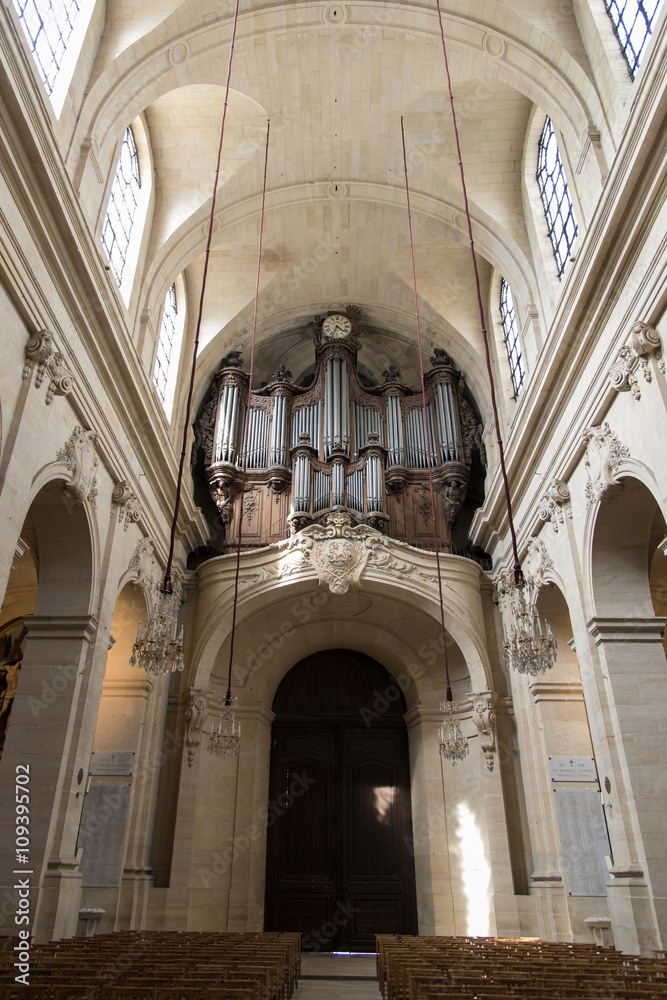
(337, 445)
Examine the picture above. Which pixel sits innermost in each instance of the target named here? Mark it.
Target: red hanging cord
(518, 574)
(448, 696)
(166, 583)
(228, 696)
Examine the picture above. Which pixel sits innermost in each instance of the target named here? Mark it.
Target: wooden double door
(339, 853)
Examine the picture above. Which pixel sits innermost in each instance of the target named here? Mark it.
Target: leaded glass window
(632, 21)
(556, 201)
(512, 341)
(118, 222)
(165, 347)
(47, 26)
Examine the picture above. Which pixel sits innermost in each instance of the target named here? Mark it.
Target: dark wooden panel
(338, 865)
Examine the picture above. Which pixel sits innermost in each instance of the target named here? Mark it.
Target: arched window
(632, 21)
(55, 31)
(122, 207)
(168, 351)
(48, 27)
(511, 336)
(556, 201)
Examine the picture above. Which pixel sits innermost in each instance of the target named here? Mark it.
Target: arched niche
(120, 711)
(622, 553)
(64, 544)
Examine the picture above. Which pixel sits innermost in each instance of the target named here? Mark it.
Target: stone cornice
(626, 629)
(61, 627)
(557, 691)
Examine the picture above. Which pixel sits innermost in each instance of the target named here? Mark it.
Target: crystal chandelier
(530, 645)
(225, 741)
(157, 649)
(453, 744)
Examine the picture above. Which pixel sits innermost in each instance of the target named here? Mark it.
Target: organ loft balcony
(338, 444)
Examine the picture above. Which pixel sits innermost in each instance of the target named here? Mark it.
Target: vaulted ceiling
(334, 80)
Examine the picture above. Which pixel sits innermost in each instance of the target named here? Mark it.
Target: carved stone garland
(644, 343)
(195, 717)
(555, 505)
(484, 717)
(82, 462)
(40, 353)
(604, 454)
(124, 500)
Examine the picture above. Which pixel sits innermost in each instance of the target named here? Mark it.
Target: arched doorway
(339, 860)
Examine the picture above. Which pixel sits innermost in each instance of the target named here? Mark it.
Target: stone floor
(337, 977)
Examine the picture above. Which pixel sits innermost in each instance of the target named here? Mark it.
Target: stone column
(246, 891)
(137, 872)
(433, 877)
(546, 879)
(44, 743)
(631, 649)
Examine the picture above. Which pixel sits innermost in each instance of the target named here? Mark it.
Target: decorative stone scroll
(484, 717)
(340, 550)
(40, 353)
(82, 462)
(555, 505)
(604, 454)
(143, 562)
(195, 717)
(125, 502)
(644, 342)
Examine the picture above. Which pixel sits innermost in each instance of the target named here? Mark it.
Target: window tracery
(511, 338)
(47, 26)
(168, 347)
(122, 207)
(556, 201)
(632, 21)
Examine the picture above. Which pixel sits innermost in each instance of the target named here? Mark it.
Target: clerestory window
(556, 201)
(511, 337)
(122, 207)
(168, 350)
(47, 26)
(632, 21)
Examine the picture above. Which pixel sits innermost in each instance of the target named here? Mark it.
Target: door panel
(339, 868)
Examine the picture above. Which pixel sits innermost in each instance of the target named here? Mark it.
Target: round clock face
(337, 327)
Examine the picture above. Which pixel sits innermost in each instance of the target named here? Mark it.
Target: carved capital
(82, 462)
(195, 717)
(484, 717)
(555, 505)
(40, 353)
(604, 454)
(124, 500)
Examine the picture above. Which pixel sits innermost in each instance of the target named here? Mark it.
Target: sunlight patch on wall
(476, 871)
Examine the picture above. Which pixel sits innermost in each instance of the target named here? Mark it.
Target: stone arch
(463, 622)
(619, 552)
(565, 91)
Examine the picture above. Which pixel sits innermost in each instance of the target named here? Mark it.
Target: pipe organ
(337, 444)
